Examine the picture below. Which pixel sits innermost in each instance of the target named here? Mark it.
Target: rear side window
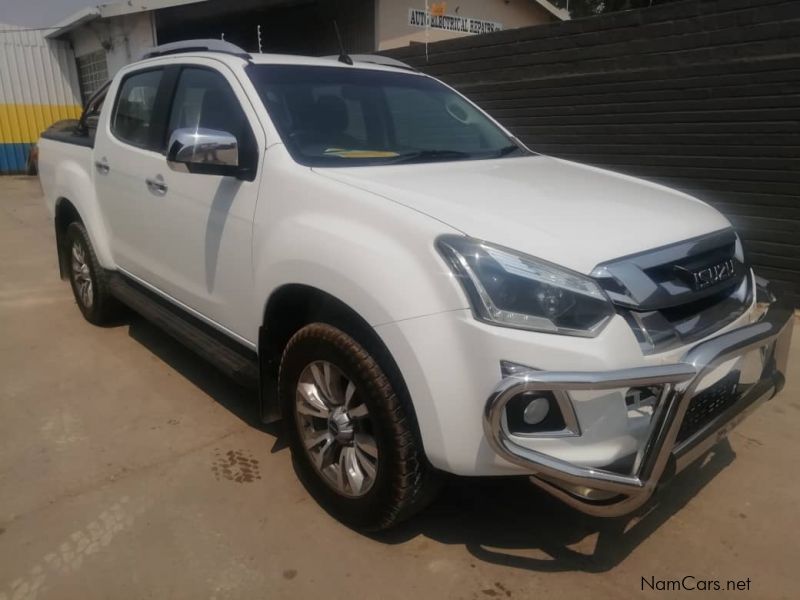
(91, 113)
(133, 117)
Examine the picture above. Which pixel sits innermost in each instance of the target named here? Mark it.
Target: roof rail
(210, 45)
(377, 59)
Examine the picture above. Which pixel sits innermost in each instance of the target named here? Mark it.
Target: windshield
(333, 116)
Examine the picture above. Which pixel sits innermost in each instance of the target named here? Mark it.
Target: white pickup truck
(412, 290)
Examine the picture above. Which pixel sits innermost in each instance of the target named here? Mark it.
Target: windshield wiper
(425, 155)
(433, 155)
(505, 151)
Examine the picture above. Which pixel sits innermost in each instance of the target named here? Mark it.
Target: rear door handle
(102, 166)
(156, 185)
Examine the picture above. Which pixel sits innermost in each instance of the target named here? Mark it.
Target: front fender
(376, 256)
(382, 280)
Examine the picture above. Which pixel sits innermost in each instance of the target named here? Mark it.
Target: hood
(563, 212)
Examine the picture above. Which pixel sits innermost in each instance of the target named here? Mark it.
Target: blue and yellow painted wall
(20, 127)
(38, 86)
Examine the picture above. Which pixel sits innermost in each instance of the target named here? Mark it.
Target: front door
(193, 238)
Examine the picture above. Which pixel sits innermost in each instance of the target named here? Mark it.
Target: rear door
(128, 150)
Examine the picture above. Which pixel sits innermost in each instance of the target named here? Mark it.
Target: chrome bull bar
(602, 492)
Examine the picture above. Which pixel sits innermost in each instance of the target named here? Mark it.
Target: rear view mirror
(205, 151)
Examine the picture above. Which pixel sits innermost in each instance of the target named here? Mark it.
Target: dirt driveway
(131, 469)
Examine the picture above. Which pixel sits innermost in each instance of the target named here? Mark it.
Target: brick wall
(702, 95)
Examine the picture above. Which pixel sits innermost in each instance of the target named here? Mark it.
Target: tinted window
(336, 116)
(133, 117)
(426, 121)
(92, 111)
(204, 100)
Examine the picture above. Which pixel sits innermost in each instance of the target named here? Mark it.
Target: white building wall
(124, 38)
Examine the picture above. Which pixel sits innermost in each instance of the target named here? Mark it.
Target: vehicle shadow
(512, 523)
(504, 521)
(240, 401)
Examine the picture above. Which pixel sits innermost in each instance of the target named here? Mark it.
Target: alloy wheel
(336, 429)
(81, 275)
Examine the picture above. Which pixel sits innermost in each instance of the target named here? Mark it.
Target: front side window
(132, 121)
(334, 116)
(204, 100)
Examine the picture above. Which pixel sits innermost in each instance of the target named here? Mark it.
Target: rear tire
(31, 166)
(351, 438)
(88, 278)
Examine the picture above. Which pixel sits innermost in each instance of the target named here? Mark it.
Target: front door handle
(102, 166)
(156, 185)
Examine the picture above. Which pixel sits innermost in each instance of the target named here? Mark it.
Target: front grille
(708, 404)
(658, 294)
(666, 273)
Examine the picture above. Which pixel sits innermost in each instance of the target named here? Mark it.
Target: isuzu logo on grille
(707, 276)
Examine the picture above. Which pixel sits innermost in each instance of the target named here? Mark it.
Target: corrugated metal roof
(76, 19)
(113, 9)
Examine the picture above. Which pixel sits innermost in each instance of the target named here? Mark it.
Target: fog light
(579, 490)
(536, 411)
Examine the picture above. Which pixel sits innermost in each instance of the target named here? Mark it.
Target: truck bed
(67, 131)
(64, 151)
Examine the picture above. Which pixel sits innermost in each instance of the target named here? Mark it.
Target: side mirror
(205, 151)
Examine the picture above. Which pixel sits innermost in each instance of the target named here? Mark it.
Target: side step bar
(233, 359)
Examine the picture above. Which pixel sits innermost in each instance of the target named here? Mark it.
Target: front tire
(88, 278)
(351, 438)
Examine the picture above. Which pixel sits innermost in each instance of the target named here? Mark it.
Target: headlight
(514, 290)
(738, 251)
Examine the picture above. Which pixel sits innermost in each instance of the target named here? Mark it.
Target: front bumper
(604, 492)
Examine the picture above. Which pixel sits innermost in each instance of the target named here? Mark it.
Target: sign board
(423, 18)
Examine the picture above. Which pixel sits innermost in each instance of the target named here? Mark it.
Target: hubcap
(81, 275)
(340, 426)
(336, 429)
